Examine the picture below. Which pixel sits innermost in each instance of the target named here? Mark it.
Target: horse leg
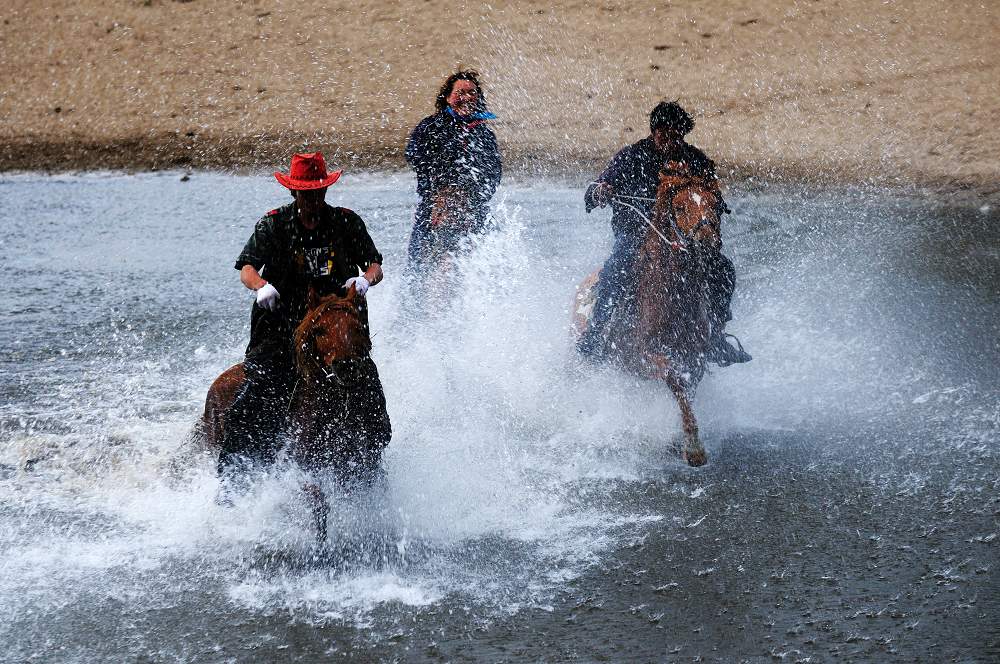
(694, 452)
(320, 510)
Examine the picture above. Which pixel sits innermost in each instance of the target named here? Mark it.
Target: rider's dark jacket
(446, 149)
(293, 258)
(634, 171)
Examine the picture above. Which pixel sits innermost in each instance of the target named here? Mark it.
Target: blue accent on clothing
(478, 115)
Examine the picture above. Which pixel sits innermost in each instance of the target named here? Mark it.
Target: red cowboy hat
(308, 171)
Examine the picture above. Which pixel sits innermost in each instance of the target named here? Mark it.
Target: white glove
(267, 297)
(360, 284)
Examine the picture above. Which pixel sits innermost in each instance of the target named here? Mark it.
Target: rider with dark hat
(629, 185)
(305, 244)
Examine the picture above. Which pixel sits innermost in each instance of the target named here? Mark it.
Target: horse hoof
(695, 459)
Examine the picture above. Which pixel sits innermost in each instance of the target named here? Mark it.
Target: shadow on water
(343, 555)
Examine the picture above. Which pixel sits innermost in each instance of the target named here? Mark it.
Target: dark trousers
(721, 283)
(617, 285)
(259, 414)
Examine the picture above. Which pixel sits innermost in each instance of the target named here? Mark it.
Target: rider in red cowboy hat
(304, 244)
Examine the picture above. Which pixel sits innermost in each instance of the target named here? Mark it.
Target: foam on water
(494, 422)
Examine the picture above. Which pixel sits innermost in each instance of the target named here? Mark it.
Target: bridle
(683, 239)
(704, 221)
(679, 245)
(331, 372)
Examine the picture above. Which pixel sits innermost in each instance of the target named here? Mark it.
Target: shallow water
(533, 509)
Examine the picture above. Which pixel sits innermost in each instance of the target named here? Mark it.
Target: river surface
(533, 509)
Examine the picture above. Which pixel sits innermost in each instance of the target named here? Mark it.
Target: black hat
(670, 114)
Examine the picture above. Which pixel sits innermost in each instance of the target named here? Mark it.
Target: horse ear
(352, 294)
(312, 298)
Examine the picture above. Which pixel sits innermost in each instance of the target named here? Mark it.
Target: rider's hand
(438, 217)
(267, 297)
(361, 284)
(603, 193)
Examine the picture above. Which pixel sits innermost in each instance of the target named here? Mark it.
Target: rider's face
(310, 202)
(463, 97)
(666, 138)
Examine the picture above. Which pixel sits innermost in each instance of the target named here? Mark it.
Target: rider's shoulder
(346, 214)
(433, 121)
(636, 150)
(281, 212)
(625, 154)
(697, 160)
(276, 216)
(695, 153)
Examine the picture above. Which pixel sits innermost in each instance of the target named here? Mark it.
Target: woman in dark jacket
(457, 162)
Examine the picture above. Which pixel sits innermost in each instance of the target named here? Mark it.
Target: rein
(330, 372)
(680, 245)
(684, 238)
(328, 375)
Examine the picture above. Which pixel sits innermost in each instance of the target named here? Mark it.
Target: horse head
(694, 203)
(331, 331)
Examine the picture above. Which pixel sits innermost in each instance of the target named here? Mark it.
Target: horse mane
(331, 302)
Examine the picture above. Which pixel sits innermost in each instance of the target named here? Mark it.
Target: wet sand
(884, 93)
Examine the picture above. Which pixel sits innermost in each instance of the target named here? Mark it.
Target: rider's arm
(250, 277)
(494, 161)
(267, 295)
(374, 273)
(602, 189)
(361, 249)
(427, 151)
(260, 250)
(488, 167)
(416, 146)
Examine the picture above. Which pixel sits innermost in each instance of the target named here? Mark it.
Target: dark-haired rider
(453, 149)
(629, 185)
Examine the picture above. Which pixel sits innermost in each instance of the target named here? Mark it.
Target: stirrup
(728, 354)
(739, 346)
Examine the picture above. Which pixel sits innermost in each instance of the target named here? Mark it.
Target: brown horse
(337, 411)
(451, 221)
(668, 337)
(433, 250)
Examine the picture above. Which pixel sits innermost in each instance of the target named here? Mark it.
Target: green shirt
(292, 258)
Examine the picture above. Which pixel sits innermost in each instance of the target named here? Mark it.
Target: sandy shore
(891, 93)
